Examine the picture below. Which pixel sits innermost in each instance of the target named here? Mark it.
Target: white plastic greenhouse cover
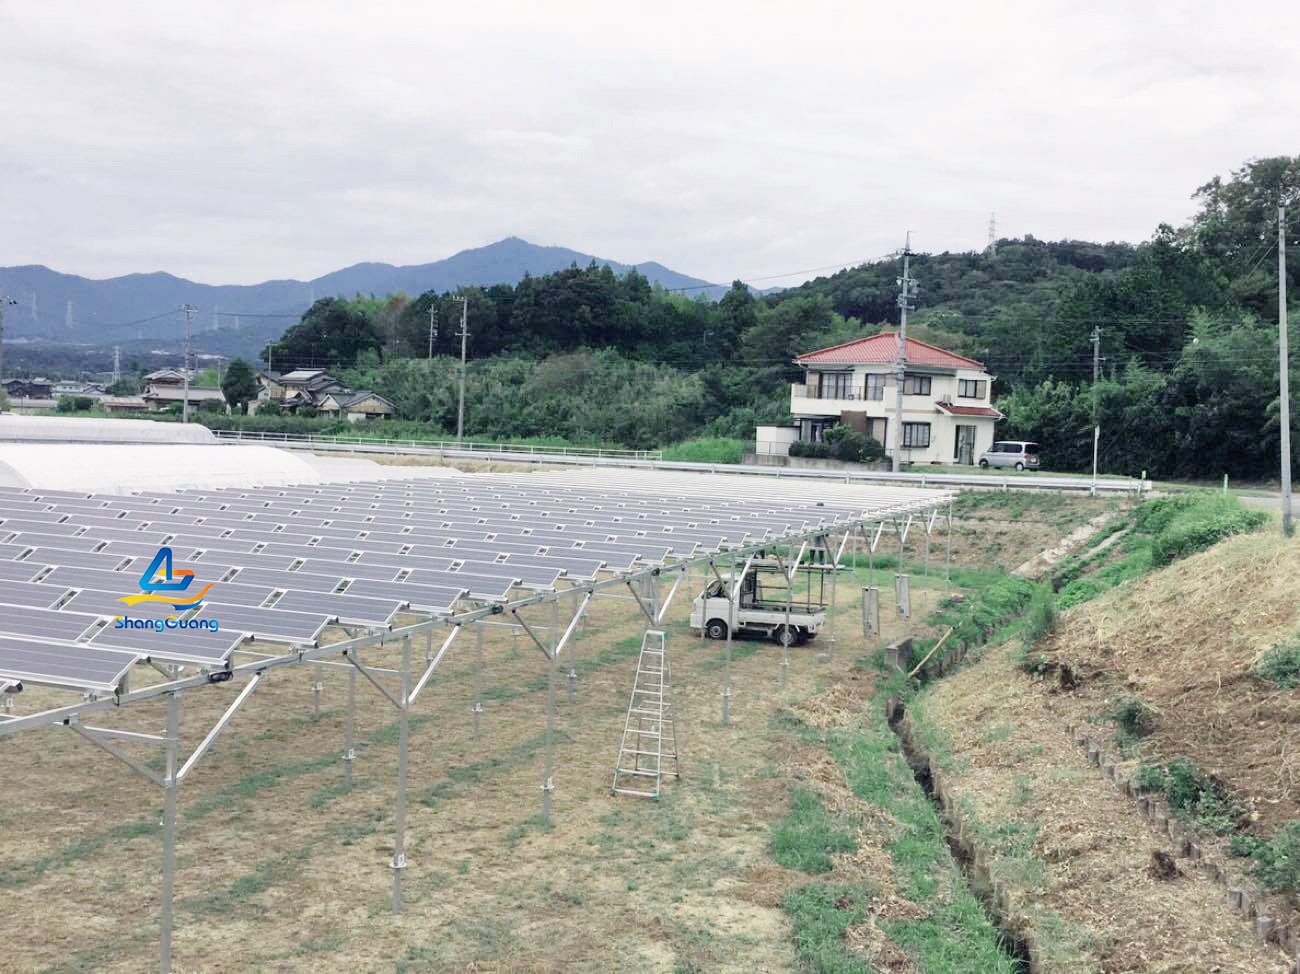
(70, 429)
(107, 468)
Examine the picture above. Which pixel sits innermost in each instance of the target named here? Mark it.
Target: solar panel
(78, 559)
(353, 610)
(64, 542)
(422, 598)
(174, 645)
(408, 561)
(19, 571)
(8, 552)
(276, 625)
(480, 587)
(523, 574)
(40, 596)
(348, 569)
(108, 605)
(48, 527)
(65, 665)
(284, 581)
(31, 623)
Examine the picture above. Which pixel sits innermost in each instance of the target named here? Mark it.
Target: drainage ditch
(972, 860)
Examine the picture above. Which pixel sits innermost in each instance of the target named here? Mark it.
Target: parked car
(1011, 453)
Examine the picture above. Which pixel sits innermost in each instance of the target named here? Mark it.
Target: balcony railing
(840, 393)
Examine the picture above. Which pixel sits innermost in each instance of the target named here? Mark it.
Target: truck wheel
(786, 636)
(984, 463)
(716, 629)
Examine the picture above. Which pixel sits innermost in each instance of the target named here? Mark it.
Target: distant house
(291, 391)
(39, 388)
(71, 387)
(124, 404)
(948, 416)
(160, 397)
(165, 377)
(356, 406)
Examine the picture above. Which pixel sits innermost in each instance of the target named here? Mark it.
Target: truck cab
(766, 605)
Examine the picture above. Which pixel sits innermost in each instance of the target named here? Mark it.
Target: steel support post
(947, 558)
(925, 569)
(835, 576)
(170, 785)
(403, 741)
(789, 632)
(731, 624)
(316, 687)
(350, 728)
(548, 771)
(477, 709)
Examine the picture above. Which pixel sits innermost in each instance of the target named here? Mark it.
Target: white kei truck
(767, 606)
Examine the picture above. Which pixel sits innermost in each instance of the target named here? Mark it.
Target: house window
(916, 385)
(876, 385)
(837, 385)
(916, 435)
(971, 388)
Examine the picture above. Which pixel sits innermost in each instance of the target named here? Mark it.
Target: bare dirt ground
(1183, 641)
(1003, 529)
(1075, 854)
(281, 869)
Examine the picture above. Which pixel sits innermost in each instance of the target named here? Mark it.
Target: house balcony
(814, 400)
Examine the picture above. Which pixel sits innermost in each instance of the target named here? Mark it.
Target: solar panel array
(284, 563)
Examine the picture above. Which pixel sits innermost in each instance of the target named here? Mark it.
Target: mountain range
(138, 309)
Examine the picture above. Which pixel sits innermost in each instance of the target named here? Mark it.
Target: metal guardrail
(651, 460)
(434, 446)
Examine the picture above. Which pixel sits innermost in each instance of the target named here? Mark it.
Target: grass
(820, 914)
(1196, 799)
(707, 449)
(808, 837)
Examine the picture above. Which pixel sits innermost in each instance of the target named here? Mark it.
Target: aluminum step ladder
(648, 751)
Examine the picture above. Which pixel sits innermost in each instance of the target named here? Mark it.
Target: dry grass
(1073, 853)
(282, 869)
(1184, 640)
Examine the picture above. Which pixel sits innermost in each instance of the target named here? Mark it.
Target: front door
(964, 450)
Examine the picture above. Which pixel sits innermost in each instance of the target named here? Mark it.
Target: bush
(1150, 778)
(1280, 665)
(1184, 524)
(1135, 716)
(820, 451)
(1277, 861)
(1200, 799)
(1077, 592)
(74, 404)
(212, 406)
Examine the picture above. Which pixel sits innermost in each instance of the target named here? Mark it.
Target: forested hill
(1187, 325)
(56, 307)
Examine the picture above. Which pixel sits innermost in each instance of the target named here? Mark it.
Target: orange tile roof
(882, 348)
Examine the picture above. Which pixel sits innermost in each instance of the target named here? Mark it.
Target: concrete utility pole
(464, 335)
(906, 292)
(433, 328)
(1096, 421)
(1284, 377)
(185, 365)
(5, 301)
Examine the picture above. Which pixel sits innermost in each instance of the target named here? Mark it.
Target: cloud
(245, 141)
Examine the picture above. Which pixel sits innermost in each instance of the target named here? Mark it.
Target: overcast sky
(234, 142)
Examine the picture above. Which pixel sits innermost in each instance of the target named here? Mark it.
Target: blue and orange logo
(161, 577)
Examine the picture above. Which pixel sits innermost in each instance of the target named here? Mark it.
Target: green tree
(239, 385)
(331, 334)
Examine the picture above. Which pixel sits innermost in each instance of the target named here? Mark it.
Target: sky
(237, 142)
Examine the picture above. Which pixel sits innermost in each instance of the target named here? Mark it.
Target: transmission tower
(992, 248)
(117, 365)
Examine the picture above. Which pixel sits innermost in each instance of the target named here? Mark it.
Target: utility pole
(1284, 377)
(464, 335)
(906, 292)
(185, 365)
(5, 301)
(433, 327)
(1096, 421)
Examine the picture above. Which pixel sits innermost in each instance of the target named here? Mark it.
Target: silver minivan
(1011, 453)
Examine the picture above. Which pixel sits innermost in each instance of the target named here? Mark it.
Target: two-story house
(948, 415)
